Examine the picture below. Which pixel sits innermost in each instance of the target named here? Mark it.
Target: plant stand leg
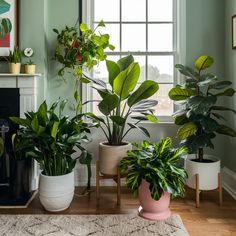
(197, 190)
(97, 182)
(220, 189)
(118, 186)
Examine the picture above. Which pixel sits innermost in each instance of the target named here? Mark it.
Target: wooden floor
(209, 219)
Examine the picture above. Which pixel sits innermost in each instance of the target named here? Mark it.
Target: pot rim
(56, 176)
(215, 159)
(103, 144)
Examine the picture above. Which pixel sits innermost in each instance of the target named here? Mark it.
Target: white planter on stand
(110, 157)
(56, 192)
(208, 172)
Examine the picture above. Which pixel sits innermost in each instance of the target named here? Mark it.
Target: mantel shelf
(19, 75)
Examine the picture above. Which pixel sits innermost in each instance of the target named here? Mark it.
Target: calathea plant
(199, 115)
(50, 138)
(158, 164)
(78, 49)
(120, 99)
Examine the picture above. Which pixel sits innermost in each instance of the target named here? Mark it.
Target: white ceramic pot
(30, 69)
(208, 172)
(14, 68)
(56, 192)
(110, 157)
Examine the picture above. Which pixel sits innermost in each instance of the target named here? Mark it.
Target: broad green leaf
(203, 62)
(200, 104)
(152, 118)
(54, 129)
(221, 108)
(42, 114)
(62, 106)
(126, 81)
(101, 24)
(142, 129)
(228, 92)
(155, 191)
(35, 124)
(125, 62)
(118, 120)
(218, 116)
(178, 94)
(181, 119)
(144, 105)
(187, 71)
(223, 129)
(220, 85)
(83, 27)
(20, 121)
(145, 90)
(208, 124)
(108, 104)
(187, 130)
(93, 116)
(113, 71)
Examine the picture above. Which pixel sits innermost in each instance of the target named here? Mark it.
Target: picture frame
(234, 32)
(9, 27)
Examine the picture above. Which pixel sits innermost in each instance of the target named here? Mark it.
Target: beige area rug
(99, 225)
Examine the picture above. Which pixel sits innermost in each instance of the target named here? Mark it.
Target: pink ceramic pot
(150, 208)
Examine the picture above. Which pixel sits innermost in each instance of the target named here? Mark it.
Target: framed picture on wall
(234, 32)
(9, 21)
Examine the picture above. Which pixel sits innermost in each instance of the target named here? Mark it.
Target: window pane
(133, 37)
(165, 106)
(160, 37)
(133, 10)
(159, 10)
(107, 10)
(114, 31)
(160, 68)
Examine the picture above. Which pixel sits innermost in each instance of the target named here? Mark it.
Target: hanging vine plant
(80, 49)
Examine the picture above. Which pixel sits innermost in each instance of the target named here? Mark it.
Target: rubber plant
(80, 49)
(199, 117)
(158, 164)
(50, 137)
(121, 100)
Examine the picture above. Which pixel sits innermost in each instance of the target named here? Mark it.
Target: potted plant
(118, 102)
(78, 49)
(53, 137)
(200, 119)
(30, 67)
(15, 61)
(154, 174)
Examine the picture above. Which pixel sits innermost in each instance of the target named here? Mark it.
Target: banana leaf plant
(78, 49)
(158, 164)
(53, 137)
(200, 116)
(121, 99)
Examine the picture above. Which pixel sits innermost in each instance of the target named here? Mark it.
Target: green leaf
(152, 118)
(126, 81)
(83, 27)
(189, 72)
(203, 62)
(108, 104)
(56, 31)
(118, 120)
(111, 47)
(20, 121)
(6, 23)
(178, 94)
(181, 119)
(221, 108)
(218, 116)
(208, 124)
(187, 130)
(142, 129)
(228, 92)
(54, 129)
(125, 62)
(35, 124)
(220, 85)
(101, 24)
(84, 80)
(144, 105)
(42, 114)
(145, 90)
(200, 104)
(62, 106)
(223, 129)
(113, 71)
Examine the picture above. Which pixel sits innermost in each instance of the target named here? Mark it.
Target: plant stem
(200, 154)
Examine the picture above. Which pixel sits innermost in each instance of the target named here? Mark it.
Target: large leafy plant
(158, 164)
(78, 49)
(53, 137)
(120, 99)
(199, 115)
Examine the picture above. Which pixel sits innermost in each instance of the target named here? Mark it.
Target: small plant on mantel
(30, 66)
(80, 49)
(14, 60)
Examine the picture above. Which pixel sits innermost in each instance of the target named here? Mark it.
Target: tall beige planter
(30, 69)
(110, 157)
(14, 68)
(208, 172)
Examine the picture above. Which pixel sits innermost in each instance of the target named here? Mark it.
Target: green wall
(230, 73)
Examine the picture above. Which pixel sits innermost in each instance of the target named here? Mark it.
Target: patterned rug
(84, 225)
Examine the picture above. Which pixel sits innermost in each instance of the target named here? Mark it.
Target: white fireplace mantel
(27, 84)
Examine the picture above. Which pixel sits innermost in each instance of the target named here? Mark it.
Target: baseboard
(229, 181)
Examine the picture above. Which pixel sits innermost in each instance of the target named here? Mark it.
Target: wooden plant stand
(198, 191)
(116, 178)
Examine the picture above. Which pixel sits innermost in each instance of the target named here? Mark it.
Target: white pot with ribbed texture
(56, 192)
(110, 157)
(208, 172)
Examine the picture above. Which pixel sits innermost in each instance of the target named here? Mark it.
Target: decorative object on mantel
(51, 138)
(96, 225)
(15, 61)
(30, 67)
(201, 119)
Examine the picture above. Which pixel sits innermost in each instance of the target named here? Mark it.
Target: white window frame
(179, 45)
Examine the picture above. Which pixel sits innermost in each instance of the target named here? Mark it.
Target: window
(147, 29)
